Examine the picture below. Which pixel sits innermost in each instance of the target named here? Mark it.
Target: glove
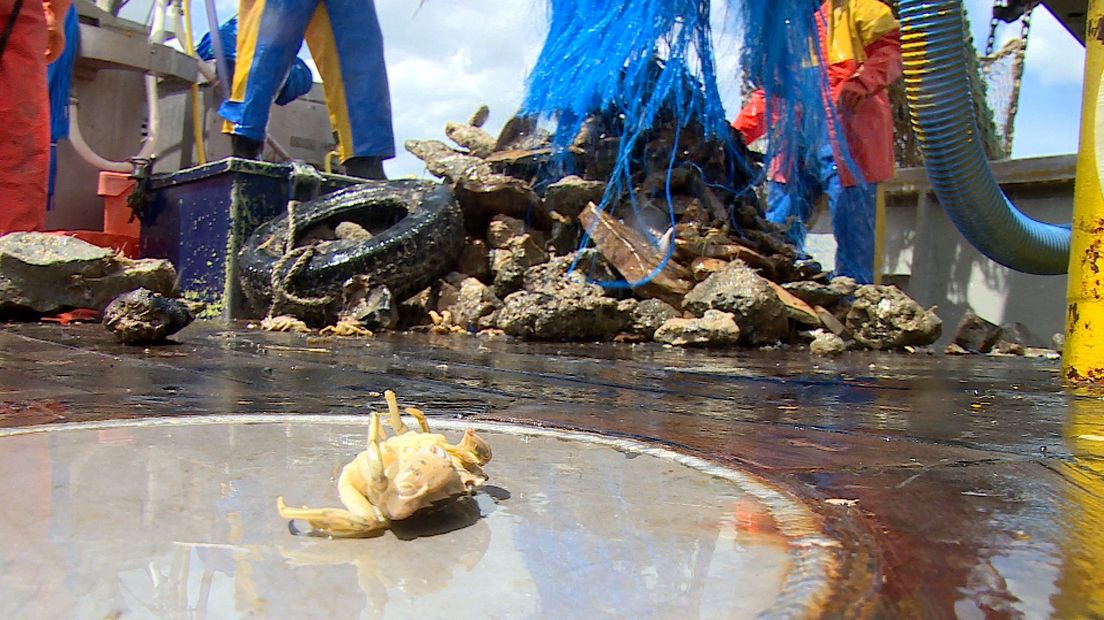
(851, 96)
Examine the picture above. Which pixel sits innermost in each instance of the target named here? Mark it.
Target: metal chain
(1017, 77)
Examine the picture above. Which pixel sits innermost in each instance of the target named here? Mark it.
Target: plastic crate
(198, 218)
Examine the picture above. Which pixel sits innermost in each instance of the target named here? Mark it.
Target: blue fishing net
(637, 65)
(59, 80)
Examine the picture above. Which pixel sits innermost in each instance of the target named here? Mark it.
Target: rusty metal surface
(959, 486)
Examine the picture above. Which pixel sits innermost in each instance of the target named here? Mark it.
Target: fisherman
(346, 43)
(861, 48)
(31, 36)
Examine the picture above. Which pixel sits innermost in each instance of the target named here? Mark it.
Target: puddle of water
(172, 520)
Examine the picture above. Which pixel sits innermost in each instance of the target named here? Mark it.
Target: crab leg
(393, 407)
(418, 415)
(335, 522)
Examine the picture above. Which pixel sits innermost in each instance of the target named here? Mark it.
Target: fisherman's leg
(853, 225)
(347, 45)
(24, 108)
(270, 33)
(790, 205)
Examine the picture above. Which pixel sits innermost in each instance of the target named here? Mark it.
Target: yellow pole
(879, 233)
(197, 107)
(1084, 347)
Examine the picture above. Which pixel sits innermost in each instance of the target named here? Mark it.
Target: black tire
(419, 232)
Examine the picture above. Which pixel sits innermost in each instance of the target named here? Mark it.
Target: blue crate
(198, 218)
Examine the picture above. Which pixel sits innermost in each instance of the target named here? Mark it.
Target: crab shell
(423, 469)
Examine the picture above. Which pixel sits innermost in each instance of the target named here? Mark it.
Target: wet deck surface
(973, 486)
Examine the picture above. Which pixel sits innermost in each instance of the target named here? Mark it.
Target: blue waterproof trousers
(346, 43)
(791, 206)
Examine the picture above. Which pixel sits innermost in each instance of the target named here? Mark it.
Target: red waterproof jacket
(36, 38)
(861, 41)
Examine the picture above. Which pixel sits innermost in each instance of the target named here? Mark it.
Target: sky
(447, 57)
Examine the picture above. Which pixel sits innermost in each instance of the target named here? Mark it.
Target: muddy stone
(815, 293)
(503, 229)
(570, 195)
(370, 307)
(749, 297)
(144, 317)
(43, 273)
(508, 265)
(883, 318)
(649, 315)
(570, 309)
(826, 344)
(976, 334)
(351, 231)
(714, 329)
(549, 276)
(475, 305)
(474, 260)
(477, 141)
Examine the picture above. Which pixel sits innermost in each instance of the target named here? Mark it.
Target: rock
(829, 320)
(648, 315)
(415, 309)
(373, 307)
(478, 142)
(1058, 342)
(474, 260)
(503, 228)
(976, 334)
(749, 297)
(882, 318)
(826, 344)
(444, 162)
(796, 309)
(1018, 333)
(43, 273)
(475, 306)
(815, 293)
(482, 195)
(570, 195)
(590, 267)
(145, 317)
(955, 349)
(714, 329)
(843, 286)
(351, 231)
(509, 264)
(702, 267)
(521, 133)
(1006, 348)
(480, 116)
(565, 234)
(573, 310)
(636, 258)
(1040, 353)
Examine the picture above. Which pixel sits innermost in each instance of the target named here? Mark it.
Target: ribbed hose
(942, 112)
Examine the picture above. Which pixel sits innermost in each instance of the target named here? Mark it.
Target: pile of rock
(42, 274)
(721, 276)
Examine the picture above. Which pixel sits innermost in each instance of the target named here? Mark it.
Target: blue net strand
(632, 63)
(59, 80)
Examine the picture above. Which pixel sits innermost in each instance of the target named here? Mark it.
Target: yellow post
(879, 233)
(1084, 348)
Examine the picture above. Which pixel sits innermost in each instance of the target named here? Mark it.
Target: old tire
(417, 234)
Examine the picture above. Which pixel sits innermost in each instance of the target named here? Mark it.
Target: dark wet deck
(977, 483)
